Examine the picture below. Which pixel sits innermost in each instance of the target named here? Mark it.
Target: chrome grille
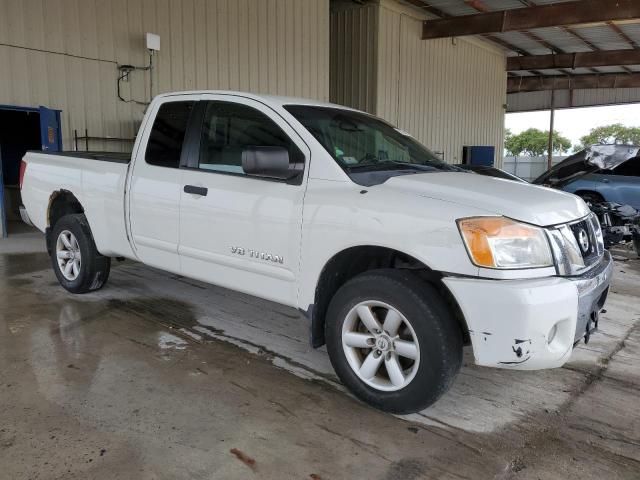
(584, 234)
(577, 246)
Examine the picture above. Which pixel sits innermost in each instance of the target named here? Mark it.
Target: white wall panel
(64, 53)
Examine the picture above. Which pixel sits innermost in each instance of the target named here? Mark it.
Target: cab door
(156, 185)
(236, 230)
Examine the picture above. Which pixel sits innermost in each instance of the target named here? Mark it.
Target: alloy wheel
(68, 255)
(380, 345)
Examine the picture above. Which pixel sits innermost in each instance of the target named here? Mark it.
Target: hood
(589, 160)
(520, 201)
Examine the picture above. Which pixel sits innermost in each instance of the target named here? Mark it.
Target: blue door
(50, 134)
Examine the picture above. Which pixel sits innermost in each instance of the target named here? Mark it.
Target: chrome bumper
(593, 288)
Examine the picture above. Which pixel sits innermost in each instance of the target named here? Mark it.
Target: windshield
(361, 142)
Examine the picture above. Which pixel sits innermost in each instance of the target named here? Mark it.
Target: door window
(167, 135)
(228, 128)
(630, 168)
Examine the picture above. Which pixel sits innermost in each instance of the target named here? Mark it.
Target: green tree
(610, 134)
(534, 142)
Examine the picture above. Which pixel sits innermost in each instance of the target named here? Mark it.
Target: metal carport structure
(560, 53)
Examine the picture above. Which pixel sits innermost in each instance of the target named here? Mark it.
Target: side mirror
(271, 162)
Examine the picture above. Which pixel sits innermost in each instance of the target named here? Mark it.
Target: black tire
(438, 334)
(94, 268)
(591, 198)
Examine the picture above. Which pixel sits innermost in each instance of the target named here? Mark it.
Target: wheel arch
(587, 191)
(61, 203)
(355, 260)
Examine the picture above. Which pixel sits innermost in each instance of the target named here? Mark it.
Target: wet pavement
(158, 376)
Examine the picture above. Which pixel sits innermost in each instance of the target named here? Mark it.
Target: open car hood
(589, 160)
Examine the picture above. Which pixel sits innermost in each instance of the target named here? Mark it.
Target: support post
(3, 216)
(552, 114)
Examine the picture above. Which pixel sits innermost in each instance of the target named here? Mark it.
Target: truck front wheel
(76, 262)
(392, 340)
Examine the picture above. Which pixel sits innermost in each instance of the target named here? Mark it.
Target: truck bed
(115, 157)
(96, 179)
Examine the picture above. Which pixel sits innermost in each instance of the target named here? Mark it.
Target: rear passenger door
(624, 183)
(156, 186)
(237, 230)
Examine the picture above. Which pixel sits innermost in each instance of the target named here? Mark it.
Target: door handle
(605, 180)
(202, 191)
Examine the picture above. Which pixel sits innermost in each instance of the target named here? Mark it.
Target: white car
(397, 259)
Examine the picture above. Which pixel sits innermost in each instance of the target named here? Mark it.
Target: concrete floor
(157, 376)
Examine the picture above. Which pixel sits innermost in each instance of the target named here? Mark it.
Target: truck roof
(272, 100)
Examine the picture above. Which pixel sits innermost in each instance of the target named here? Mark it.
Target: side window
(167, 135)
(228, 128)
(630, 168)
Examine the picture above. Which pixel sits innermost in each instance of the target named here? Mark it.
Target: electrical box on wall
(478, 155)
(153, 42)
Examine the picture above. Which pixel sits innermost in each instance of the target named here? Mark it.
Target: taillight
(23, 168)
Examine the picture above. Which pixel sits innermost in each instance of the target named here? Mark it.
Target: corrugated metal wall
(531, 101)
(447, 95)
(64, 53)
(353, 56)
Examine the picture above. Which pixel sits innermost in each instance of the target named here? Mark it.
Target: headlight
(498, 242)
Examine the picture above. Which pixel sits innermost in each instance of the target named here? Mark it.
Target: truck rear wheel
(392, 340)
(76, 262)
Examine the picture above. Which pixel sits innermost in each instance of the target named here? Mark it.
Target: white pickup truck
(397, 259)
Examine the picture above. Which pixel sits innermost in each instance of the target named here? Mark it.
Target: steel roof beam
(573, 82)
(599, 58)
(553, 15)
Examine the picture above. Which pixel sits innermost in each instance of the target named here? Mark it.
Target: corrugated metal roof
(543, 41)
(547, 2)
(562, 39)
(453, 7)
(632, 30)
(523, 42)
(503, 4)
(601, 36)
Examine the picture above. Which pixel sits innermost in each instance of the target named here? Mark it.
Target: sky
(576, 122)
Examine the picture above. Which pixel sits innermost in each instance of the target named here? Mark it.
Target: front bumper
(531, 324)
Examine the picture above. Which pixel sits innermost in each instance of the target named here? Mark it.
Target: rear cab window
(164, 148)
